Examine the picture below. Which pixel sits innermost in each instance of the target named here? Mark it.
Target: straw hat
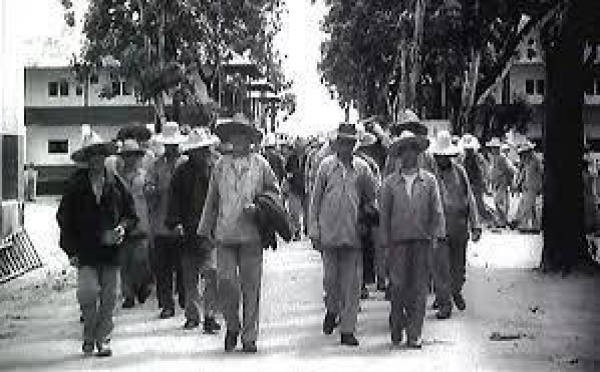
(199, 137)
(524, 147)
(408, 138)
(239, 124)
(494, 142)
(443, 145)
(469, 141)
(408, 120)
(270, 140)
(93, 144)
(170, 134)
(131, 147)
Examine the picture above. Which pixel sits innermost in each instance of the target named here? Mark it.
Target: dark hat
(346, 131)
(408, 138)
(408, 120)
(239, 124)
(92, 145)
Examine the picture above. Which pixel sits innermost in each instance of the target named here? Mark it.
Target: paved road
(557, 320)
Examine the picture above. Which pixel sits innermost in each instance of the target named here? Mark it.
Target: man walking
(229, 218)
(412, 219)
(343, 185)
(501, 178)
(95, 214)
(530, 181)
(461, 214)
(187, 196)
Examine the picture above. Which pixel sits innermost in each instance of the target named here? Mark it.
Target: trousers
(97, 295)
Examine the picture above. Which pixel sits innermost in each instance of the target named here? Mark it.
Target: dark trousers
(457, 252)
(409, 269)
(167, 253)
(442, 280)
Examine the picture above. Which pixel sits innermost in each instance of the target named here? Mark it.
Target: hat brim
(227, 129)
(417, 128)
(525, 149)
(173, 140)
(419, 142)
(367, 141)
(83, 154)
(454, 151)
(346, 137)
(138, 152)
(189, 147)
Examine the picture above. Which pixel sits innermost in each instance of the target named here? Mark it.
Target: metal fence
(17, 256)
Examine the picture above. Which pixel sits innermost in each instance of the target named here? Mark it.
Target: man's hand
(476, 234)
(114, 236)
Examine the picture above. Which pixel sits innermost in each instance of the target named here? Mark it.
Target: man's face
(495, 151)
(240, 143)
(199, 154)
(442, 161)
(96, 162)
(171, 149)
(131, 160)
(344, 147)
(408, 157)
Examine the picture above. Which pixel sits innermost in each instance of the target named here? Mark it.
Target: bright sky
(300, 40)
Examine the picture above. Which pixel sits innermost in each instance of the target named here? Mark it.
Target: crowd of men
(386, 204)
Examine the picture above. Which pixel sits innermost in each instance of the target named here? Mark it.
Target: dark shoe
(104, 349)
(459, 301)
(381, 287)
(414, 344)
(211, 326)
(191, 324)
(143, 294)
(396, 337)
(435, 305)
(167, 313)
(230, 340)
(88, 348)
(443, 314)
(348, 339)
(249, 347)
(81, 320)
(329, 323)
(128, 303)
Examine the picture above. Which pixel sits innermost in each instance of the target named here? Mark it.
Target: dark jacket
(83, 221)
(272, 217)
(277, 163)
(187, 194)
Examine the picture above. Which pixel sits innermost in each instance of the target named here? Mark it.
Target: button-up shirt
(334, 207)
(420, 217)
(234, 183)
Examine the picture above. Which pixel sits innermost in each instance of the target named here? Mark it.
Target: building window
(79, 90)
(53, 89)
(94, 79)
(125, 89)
(116, 88)
(530, 87)
(540, 87)
(64, 88)
(58, 147)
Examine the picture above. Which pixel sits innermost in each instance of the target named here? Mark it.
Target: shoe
(396, 336)
(329, 323)
(435, 305)
(128, 303)
(191, 324)
(167, 313)
(211, 326)
(388, 294)
(249, 347)
(381, 287)
(414, 344)
(81, 320)
(443, 314)
(459, 301)
(104, 349)
(230, 340)
(348, 339)
(88, 348)
(143, 294)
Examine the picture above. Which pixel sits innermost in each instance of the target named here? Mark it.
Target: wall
(39, 135)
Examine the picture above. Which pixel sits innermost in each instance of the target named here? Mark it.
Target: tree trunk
(563, 148)
(468, 93)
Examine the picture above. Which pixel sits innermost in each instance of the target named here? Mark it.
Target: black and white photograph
(300, 185)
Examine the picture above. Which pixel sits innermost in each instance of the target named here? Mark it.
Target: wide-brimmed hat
(131, 147)
(505, 147)
(346, 131)
(170, 134)
(494, 142)
(139, 132)
(524, 147)
(443, 145)
(469, 141)
(199, 137)
(408, 138)
(238, 124)
(366, 139)
(408, 120)
(93, 144)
